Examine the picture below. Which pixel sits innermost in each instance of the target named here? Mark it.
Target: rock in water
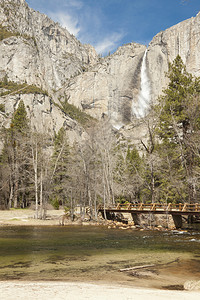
(192, 285)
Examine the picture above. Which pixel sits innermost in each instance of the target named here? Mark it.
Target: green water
(91, 253)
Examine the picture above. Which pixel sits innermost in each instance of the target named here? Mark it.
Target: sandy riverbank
(12, 290)
(26, 217)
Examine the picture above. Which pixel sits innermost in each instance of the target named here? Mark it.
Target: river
(85, 253)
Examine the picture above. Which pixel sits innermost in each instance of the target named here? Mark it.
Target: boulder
(192, 285)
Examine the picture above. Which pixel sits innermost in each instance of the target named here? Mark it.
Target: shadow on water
(95, 253)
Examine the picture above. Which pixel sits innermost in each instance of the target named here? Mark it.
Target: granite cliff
(37, 51)
(113, 86)
(40, 51)
(182, 39)
(110, 87)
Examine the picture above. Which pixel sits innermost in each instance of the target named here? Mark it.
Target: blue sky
(107, 24)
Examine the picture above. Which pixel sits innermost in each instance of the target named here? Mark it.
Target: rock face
(182, 39)
(38, 51)
(45, 117)
(111, 86)
(41, 52)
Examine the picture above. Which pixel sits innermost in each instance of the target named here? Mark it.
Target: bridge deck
(156, 208)
(157, 212)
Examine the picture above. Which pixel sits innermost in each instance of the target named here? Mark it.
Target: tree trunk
(41, 195)
(152, 185)
(36, 195)
(10, 197)
(15, 200)
(104, 198)
(35, 168)
(72, 206)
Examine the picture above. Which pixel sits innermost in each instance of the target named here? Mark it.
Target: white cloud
(184, 1)
(109, 43)
(86, 23)
(67, 21)
(74, 3)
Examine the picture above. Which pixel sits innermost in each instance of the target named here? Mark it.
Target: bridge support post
(190, 219)
(177, 221)
(136, 218)
(108, 215)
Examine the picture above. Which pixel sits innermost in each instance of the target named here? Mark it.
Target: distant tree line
(37, 169)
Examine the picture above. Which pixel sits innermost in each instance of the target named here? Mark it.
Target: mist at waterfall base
(140, 108)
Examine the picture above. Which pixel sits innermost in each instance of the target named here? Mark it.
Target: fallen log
(136, 268)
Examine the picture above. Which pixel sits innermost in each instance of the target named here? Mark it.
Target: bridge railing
(195, 207)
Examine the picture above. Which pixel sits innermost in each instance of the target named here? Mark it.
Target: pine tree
(60, 172)
(15, 155)
(179, 120)
(133, 160)
(19, 122)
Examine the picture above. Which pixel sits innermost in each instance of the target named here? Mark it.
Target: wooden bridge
(176, 210)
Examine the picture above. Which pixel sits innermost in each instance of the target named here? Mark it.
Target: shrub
(76, 114)
(55, 203)
(5, 33)
(16, 88)
(2, 107)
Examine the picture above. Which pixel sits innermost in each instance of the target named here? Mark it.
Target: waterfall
(140, 108)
